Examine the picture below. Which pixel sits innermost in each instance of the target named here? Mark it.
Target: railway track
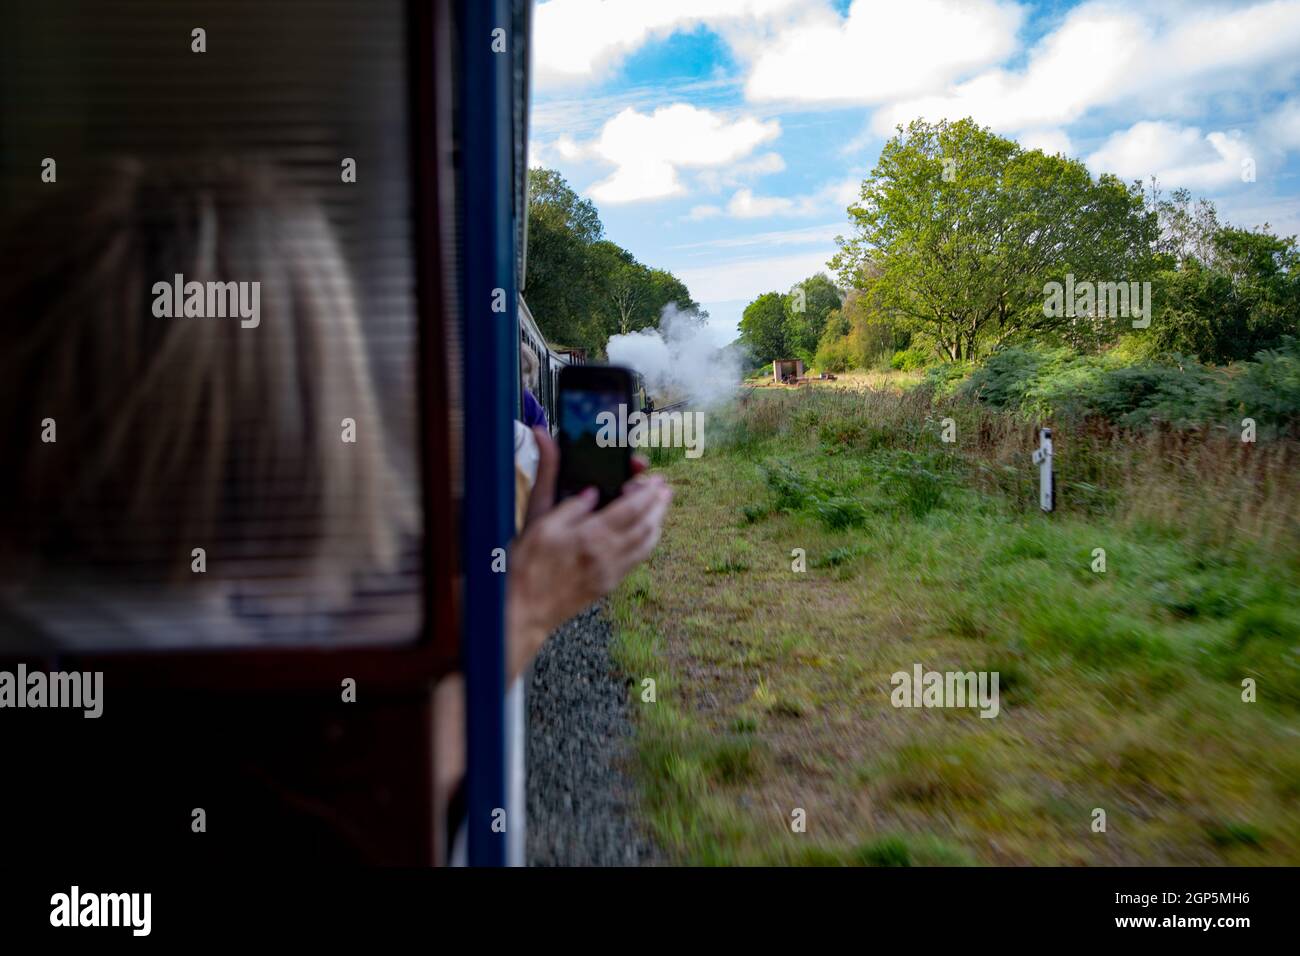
(672, 407)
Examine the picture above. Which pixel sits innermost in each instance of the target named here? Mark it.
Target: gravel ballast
(581, 803)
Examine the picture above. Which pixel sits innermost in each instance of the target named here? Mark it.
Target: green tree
(561, 230)
(762, 328)
(550, 194)
(667, 289)
(860, 334)
(967, 228)
(623, 302)
(632, 296)
(1244, 299)
(1186, 229)
(581, 287)
(807, 306)
(834, 349)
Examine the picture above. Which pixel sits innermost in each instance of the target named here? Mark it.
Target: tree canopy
(966, 228)
(581, 287)
(1241, 298)
(762, 328)
(776, 326)
(808, 304)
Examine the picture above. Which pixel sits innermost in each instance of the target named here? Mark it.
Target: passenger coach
(406, 123)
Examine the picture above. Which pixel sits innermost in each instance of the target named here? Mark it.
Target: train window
(208, 390)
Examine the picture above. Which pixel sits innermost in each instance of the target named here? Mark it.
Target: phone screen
(584, 461)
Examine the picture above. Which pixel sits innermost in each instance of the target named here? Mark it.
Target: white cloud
(1282, 129)
(843, 192)
(883, 50)
(647, 150)
(698, 213)
(568, 148)
(577, 41)
(581, 113)
(805, 235)
(737, 173)
(1177, 156)
(544, 153)
(1281, 214)
(745, 205)
(1050, 141)
(834, 196)
(743, 279)
(1060, 81)
(1164, 60)
(940, 58)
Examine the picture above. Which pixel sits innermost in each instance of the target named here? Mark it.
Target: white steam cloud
(678, 360)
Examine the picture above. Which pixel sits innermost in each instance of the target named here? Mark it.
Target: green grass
(1120, 690)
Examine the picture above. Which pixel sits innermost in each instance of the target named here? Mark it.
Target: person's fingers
(542, 498)
(625, 549)
(641, 550)
(648, 523)
(571, 510)
(633, 550)
(624, 510)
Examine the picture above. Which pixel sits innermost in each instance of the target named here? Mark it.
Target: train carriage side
(433, 122)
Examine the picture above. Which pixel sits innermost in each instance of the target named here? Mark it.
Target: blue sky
(723, 139)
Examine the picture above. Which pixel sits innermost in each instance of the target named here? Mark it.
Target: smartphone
(592, 407)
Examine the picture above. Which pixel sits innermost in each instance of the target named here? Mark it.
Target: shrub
(887, 851)
(1268, 389)
(912, 359)
(840, 431)
(946, 378)
(1005, 377)
(838, 556)
(834, 355)
(792, 492)
(1133, 391)
(839, 513)
(915, 481)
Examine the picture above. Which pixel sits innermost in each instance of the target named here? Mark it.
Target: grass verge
(1121, 690)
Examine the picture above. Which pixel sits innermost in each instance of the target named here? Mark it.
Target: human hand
(569, 554)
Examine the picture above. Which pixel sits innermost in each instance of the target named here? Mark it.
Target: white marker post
(1043, 459)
